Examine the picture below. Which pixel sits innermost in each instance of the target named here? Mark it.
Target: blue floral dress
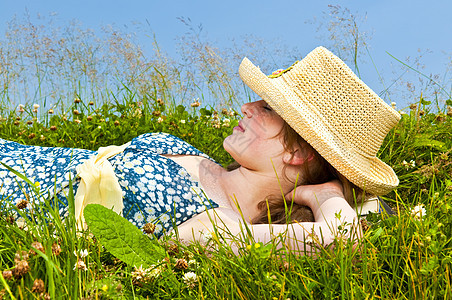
(155, 188)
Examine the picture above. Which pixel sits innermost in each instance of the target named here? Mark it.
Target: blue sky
(398, 27)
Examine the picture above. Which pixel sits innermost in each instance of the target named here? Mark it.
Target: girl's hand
(315, 195)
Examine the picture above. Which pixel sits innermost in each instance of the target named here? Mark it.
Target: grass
(408, 256)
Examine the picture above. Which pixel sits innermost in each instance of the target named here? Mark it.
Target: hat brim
(369, 173)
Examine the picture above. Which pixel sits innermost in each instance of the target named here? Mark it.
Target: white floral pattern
(155, 188)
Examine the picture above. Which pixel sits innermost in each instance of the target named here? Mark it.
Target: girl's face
(256, 143)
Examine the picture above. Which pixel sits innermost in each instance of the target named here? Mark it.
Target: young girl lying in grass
(318, 127)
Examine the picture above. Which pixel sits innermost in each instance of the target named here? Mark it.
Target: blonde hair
(275, 209)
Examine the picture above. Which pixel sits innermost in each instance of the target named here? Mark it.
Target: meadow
(72, 88)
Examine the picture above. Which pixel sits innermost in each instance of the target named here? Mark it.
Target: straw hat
(334, 111)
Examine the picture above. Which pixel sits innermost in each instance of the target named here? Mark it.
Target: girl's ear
(298, 158)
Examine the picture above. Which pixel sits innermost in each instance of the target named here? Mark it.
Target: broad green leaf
(121, 238)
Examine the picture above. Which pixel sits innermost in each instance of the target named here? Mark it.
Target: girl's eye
(267, 107)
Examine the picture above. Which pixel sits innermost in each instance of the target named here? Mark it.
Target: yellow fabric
(99, 184)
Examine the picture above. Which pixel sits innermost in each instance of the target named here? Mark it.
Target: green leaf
(449, 102)
(421, 141)
(121, 238)
(180, 109)
(425, 102)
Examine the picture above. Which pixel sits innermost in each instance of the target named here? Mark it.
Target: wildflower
(35, 106)
(22, 204)
(38, 286)
(89, 118)
(37, 246)
(413, 106)
(7, 274)
(53, 128)
(29, 122)
(393, 104)
(421, 113)
(21, 109)
(181, 264)
(77, 100)
(232, 113)
(56, 249)
(50, 111)
(160, 120)
(418, 212)
(20, 256)
(156, 113)
(182, 121)
(91, 103)
(160, 101)
(224, 111)
(409, 165)
(77, 121)
(139, 274)
(64, 118)
(80, 264)
(193, 264)
(82, 253)
(449, 111)
(16, 123)
(31, 136)
(76, 112)
(149, 228)
(190, 279)
(196, 103)
(226, 123)
(42, 138)
(116, 123)
(35, 110)
(173, 250)
(20, 269)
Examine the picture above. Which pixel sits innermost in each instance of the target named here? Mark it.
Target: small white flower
(80, 265)
(393, 104)
(190, 279)
(35, 106)
(418, 212)
(160, 120)
(182, 121)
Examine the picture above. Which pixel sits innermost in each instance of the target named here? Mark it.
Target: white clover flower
(190, 279)
(418, 212)
(82, 253)
(80, 265)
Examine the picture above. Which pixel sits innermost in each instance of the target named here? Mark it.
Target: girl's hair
(275, 209)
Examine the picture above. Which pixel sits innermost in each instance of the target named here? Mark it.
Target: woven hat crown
(335, 112)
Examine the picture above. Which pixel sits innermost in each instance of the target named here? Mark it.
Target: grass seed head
(21, 269)
(181, 264)
(7, 274)
(38, 246)
(38, 286)
(149, 228)
(22, 204)
(56, 249)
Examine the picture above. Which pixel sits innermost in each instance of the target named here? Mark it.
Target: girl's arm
(334, 218)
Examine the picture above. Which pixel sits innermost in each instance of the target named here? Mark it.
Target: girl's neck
(241, 189)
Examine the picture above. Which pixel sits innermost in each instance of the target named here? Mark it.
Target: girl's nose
(248, 109)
